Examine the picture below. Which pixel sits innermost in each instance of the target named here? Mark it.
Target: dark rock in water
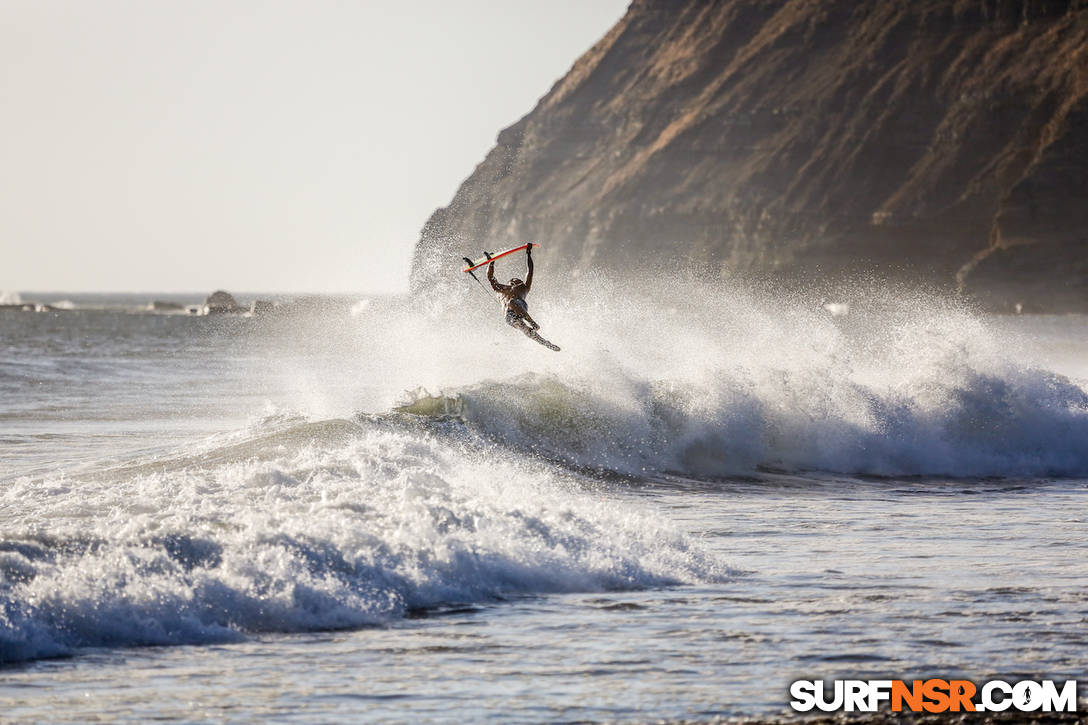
(942, 141)
(14, 301)
(161, 306)
(221, 302)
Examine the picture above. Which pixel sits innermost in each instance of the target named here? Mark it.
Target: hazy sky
(154, 145)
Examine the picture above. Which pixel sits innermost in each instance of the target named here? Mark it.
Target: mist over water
(178, 480)
(712, 380)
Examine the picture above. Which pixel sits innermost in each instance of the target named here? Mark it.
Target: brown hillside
(936, 140)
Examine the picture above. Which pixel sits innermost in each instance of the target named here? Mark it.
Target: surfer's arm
(491, 278)
(529, 263)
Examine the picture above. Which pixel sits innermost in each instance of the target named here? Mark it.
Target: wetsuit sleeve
(529, 275)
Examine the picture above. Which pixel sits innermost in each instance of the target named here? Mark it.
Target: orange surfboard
(491, 257)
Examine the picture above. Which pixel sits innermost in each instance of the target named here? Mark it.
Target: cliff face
(944, 140)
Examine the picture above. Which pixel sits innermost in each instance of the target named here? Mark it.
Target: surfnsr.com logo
(934, 695)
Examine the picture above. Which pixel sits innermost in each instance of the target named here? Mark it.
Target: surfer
(512, 295)
(513, 298)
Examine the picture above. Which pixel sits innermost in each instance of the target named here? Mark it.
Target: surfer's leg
(515, 320)
(520, 319)
(534, 335)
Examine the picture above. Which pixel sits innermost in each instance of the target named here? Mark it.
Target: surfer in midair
(513, 295)
(513, 298)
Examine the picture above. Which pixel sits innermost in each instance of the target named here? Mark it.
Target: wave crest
(956, 421)
(299, 531)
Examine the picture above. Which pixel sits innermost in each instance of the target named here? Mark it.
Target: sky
(260, 145)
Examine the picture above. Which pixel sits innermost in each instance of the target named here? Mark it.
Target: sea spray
(706, 379)
(331, 509)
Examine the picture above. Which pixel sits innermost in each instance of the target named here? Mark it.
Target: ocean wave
(304, 531)
(1025, 423)
(336, 508)
(722, 382)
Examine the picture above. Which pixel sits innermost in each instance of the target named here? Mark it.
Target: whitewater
(402, 510)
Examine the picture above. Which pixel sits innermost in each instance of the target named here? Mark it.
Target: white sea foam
(326, 525)
(706, 380)
(1022, 423)
(360, 514)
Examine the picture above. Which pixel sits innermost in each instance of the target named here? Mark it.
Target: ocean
(381, 509)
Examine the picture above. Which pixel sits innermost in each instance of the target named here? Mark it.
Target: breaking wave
(326, 525)
(349, 505)
(1027, 423)
(719, 382)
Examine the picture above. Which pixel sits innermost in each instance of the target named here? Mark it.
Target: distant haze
(294, 146)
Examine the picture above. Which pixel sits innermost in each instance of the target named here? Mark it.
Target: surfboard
(492, 256)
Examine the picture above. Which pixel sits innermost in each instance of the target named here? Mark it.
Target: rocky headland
(942, 142)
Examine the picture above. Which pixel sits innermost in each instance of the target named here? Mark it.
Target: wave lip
(958, 422)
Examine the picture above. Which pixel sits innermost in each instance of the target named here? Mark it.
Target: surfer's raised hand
(529, 250)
